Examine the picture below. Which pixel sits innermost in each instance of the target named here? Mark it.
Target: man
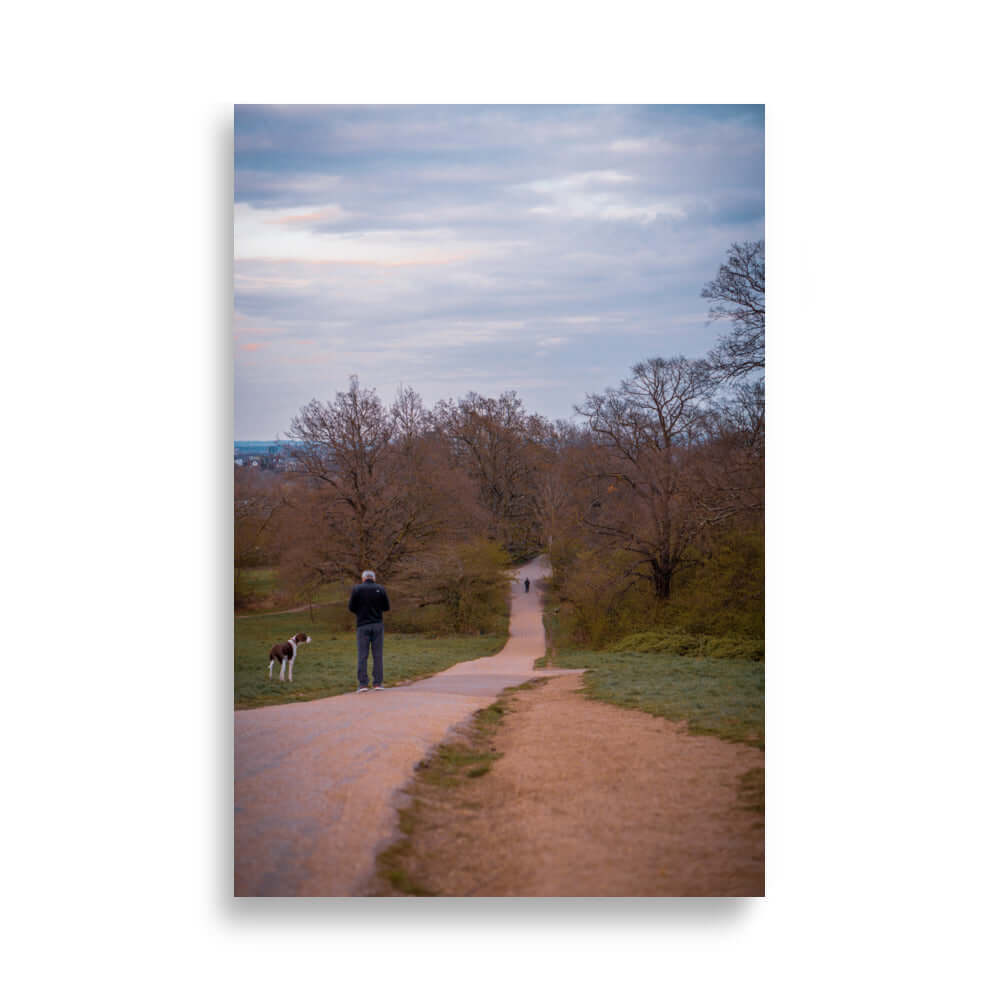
(368, 601)
(527, 585)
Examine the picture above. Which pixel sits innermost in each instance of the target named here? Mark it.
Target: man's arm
(352, 604)
(385, 599)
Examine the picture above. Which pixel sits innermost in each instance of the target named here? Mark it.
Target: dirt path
(316, 783)
(592, 800)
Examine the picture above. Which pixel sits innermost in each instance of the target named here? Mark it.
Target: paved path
(316, 783)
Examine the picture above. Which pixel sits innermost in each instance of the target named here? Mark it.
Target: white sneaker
(362, 690)
(378, 687)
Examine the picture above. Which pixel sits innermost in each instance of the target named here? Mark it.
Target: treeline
(650, 505)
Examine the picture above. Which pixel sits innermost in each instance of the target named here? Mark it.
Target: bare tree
(553, 495)
(373, 517)
(738, 293)
(643, 488)
(492, 439)
(728, 464)
(740, 416)
(411, 420)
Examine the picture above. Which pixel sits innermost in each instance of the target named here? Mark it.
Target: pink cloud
(242, 331)
(332, 213)
(285, 220)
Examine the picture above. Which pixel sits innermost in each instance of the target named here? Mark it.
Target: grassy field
(670, 675)
(327, 665)
(258, 581)
(259, 587)
(715, 697)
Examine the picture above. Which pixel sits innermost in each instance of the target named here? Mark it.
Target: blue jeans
(370, 635)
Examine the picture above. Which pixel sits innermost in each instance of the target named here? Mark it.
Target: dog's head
(300, 637)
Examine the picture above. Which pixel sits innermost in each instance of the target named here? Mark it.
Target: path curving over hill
(315, 783)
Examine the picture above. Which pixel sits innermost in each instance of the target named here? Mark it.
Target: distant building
(263, 454)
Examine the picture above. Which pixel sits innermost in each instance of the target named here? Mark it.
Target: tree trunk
(661, 581)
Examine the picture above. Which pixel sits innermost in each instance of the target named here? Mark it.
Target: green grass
(257, 581)
(715, 697)
(714, 684)
(327, 666)
(260, 593)
(452, 762)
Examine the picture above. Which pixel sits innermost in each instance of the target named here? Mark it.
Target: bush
(689, 644)
(734, 648)
(723, 594)
(659, 641)
(600, 601)
(468, 590)
(719, 598)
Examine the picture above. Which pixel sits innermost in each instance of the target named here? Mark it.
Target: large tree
(495, 441)
(643, 498)
(737, 292)
(359, 457)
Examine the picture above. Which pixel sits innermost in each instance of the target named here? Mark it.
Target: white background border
(881, 220)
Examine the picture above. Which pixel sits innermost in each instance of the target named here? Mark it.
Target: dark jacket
(368, 601)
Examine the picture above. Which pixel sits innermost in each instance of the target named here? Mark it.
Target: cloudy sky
(542, 249)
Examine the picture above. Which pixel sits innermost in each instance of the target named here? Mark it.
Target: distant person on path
(368, 601)
(527, 585)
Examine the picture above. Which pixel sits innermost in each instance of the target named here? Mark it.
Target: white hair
(368, 575)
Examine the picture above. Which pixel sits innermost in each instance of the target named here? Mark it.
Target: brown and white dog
(284, 652)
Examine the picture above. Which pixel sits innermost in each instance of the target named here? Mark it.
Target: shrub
(723, 594)
(734, 648)
(468, 589)
(601, 601)
(689, 644)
